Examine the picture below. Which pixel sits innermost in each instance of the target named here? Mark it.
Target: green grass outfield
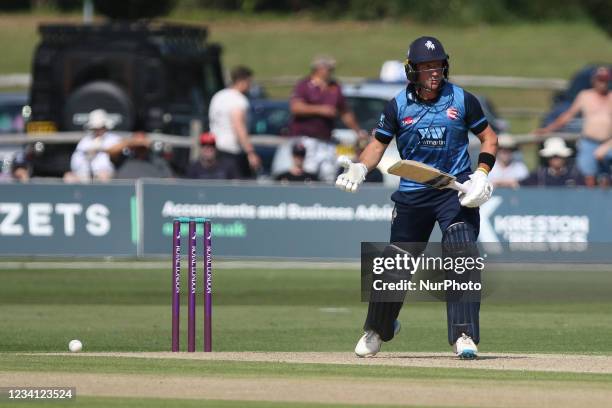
(289, 310)
(552, 49)
(94, 402)
(301, 310)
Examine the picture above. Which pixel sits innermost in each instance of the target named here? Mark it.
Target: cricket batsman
(430, 120)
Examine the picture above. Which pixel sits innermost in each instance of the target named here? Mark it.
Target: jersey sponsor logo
(381, 121)
(452, 113)
(408, 120)
(433, 136)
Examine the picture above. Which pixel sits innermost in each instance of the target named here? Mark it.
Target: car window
(270, 120)
(11, 120)
(367, 111)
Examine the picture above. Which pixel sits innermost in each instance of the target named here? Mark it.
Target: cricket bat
(425, 174)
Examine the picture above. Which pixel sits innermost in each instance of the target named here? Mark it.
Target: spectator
(596, 107)
(91, 159)
(557, 172)
(20, 168)
(602, 154)
(15, 167)
(296, 172)
(208, 166)
(140, 161)
(228, 123)
(315, 104)
(508, 171)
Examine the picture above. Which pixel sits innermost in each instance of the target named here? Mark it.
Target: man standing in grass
(430, 120)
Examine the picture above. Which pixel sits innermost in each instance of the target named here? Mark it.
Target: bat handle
(459, 187)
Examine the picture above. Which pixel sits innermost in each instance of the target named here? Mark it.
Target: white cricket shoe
(465, 348)
(369, 344)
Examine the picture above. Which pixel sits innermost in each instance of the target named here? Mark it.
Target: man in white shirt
(508, 171)
(91, 159)
(228, 123)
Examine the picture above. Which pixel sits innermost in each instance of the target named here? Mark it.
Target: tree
(133, 9)
(601, 13)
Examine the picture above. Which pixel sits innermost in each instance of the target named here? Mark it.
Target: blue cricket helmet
(424, 49)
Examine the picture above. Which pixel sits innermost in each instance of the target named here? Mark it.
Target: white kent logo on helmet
(430, 45)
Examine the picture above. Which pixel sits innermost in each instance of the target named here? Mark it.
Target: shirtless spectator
(593, 155)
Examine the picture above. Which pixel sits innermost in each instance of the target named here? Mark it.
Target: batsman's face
(431, 74)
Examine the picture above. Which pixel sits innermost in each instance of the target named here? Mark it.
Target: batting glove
(479, 190)
(353, 175)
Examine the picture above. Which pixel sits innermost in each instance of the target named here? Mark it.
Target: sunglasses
(432, 70)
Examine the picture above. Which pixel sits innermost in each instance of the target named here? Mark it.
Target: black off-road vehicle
(149, 76)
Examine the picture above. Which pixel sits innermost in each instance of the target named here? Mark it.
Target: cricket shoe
(369, 344)
(465, 348)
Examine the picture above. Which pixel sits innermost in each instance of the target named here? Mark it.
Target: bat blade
(424, 174)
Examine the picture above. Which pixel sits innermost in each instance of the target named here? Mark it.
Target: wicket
(192, 283)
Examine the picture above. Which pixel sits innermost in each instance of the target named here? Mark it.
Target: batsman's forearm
(489, 147)
(488, 138)
(372, 154)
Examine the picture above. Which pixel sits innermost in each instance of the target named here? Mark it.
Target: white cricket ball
(75, 346)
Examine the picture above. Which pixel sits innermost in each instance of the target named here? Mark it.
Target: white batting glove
(479, 190)
(353, 175)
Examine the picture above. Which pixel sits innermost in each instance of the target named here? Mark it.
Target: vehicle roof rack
(68, 33)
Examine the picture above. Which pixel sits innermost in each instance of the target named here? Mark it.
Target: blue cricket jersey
(434, 133)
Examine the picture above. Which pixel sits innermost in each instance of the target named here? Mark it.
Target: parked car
(562, 100)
